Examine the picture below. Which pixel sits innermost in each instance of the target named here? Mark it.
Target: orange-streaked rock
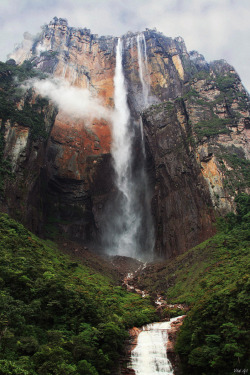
(75, 141)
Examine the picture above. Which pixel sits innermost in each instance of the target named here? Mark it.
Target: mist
(74, 101)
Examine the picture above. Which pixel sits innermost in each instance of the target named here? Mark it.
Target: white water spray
(128, 222)
(143, 67)
(144, 78)
(142, 138)
(149, 356)
(127, 228)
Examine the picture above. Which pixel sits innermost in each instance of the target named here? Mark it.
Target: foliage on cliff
(58, 317)
(237, 176)
(5, 167)
(213, 279)
(31, 113)
(21, 107)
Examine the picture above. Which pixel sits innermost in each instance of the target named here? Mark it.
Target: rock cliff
(200, 147)
(196, 125)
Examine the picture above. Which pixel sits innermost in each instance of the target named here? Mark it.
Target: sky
(218, 29)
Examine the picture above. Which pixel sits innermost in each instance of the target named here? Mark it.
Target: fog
(74, 101)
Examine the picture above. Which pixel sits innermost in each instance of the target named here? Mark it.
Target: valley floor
(64, 310)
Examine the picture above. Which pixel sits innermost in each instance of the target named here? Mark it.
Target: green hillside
(213, 279)
(56, 316)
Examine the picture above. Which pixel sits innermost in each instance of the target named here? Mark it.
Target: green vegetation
(49, 53)
(166, 106)
(31, 111)
(215, 336)
(225, 82)
(31, 114)
(5, 166)
(203, 75)
(58, 317)
(13, 74)
(237, 177)
(212, 127)
(191, 95)
(213, 279)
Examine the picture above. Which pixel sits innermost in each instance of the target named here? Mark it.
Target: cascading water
(128, 228)
(144, 78)
(143, 67)
(127, 219)
(149, 356)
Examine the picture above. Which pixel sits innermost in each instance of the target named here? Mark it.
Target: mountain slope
(213, 279)
(57, 316)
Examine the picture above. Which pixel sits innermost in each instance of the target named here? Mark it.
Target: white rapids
(149, 356)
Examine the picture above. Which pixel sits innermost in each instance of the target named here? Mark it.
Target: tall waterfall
(149, 356)
(128, 228)
(127, 220)
(143, 66)
(144, 78)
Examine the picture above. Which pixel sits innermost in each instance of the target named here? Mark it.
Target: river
(149, 357)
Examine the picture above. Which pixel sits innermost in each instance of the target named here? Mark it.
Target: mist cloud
(74, 101)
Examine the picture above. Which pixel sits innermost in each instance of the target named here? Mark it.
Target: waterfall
(127, 227)
(127, 219)
(149, 356)
(143, 74)
(142, 138)
(143, 67)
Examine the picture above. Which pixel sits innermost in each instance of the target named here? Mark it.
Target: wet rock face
(24, 190)
(196, 129)
(78, 170)
(199, 149)
(181, 201)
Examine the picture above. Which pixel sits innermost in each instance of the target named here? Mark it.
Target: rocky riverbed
(130, 270)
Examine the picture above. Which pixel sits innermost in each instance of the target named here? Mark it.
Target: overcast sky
(219, 29)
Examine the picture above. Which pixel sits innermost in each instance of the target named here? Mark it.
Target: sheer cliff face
(196, 126)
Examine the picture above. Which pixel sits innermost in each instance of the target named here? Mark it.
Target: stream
(149, 357)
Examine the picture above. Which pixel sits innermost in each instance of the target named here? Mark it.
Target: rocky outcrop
(196, 130)
(181, 201)
(199, 148)
(78, 171)
(172, 337)
(26, 122)
(78, 167)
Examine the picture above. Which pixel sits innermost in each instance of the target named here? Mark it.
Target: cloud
(74, 101)
(217, 29)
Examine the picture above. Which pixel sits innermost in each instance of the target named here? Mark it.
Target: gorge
(132, 147)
